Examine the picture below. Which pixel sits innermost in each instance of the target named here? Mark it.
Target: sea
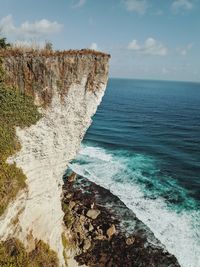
(144, 146)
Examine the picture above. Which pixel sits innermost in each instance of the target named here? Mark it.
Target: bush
(43, 256)
(3, 43)
(13, 254)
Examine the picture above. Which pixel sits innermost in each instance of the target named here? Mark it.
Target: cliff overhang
(67, 86)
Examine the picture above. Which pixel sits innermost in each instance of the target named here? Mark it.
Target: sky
(147, 39)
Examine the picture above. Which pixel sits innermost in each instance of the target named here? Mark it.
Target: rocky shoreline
(104, 232)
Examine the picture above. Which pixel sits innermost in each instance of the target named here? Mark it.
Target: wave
(156, 199)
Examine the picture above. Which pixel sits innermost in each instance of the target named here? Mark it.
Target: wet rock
(72, 177)
(93, 214)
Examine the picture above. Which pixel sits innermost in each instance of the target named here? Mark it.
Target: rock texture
(68, 87)
(116, 237)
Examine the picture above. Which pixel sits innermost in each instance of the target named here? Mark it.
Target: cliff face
(68, 87)
(39, 73)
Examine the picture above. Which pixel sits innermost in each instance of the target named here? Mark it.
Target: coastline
(101, 226)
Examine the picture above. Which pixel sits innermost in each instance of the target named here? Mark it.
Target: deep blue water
(144, 146)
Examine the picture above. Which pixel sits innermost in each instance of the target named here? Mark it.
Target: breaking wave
(156, 199)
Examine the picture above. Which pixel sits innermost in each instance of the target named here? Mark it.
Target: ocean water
(144, 146)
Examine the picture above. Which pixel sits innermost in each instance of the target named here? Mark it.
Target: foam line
(125, 174)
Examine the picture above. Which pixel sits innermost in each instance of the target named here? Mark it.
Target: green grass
(13, 254)
(16, 109)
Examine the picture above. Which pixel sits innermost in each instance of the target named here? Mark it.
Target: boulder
(111, 231)
(72, 177)
(87, 244)
(72, 204)
(91, 228)
(93, 214)
(130, 240)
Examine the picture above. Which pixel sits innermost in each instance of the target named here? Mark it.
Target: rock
(82, 218)
(64, 85)
(111, 244)
(90, 227)
(130, 240)
(111, 231)
(99, 232)
(100, 237)
(72, 204)
(81, 231)
(93, 214)
(68, 196)
(87, 244)
(72, 177)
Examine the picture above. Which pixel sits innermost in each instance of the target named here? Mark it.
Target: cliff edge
(67, 87)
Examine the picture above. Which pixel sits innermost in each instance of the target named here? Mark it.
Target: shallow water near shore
(144, 147)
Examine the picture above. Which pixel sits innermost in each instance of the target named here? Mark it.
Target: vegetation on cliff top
(3, 43)
(16, 51)
(16, 109)
(13, 254)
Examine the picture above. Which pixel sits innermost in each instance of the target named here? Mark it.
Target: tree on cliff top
(3, 43)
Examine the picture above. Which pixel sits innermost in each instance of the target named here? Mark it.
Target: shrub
(13, 254)
(3, 43)
(43, 256)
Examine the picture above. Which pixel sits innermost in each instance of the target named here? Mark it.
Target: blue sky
(147, 39)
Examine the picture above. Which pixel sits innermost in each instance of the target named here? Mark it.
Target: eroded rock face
(38, 72)
(69, 87)
(115, 237)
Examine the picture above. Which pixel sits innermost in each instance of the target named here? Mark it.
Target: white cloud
(138, 6)
(150, 47)
(6, 25)
(27, 29)
(179, 5)
(93, 46)
(183, 51)
(134, 45)
(79, 3)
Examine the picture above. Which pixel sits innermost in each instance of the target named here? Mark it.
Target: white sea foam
(178, 231)
(95, 152)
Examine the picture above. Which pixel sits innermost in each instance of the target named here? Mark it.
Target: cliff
(67, 87)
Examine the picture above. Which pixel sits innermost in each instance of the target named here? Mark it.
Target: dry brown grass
(17, 51)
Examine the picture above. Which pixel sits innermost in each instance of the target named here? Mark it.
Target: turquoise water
(144, 146)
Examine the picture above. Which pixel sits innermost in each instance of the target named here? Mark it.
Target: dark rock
(109, 234)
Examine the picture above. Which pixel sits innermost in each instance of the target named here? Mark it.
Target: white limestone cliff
(48, 146)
